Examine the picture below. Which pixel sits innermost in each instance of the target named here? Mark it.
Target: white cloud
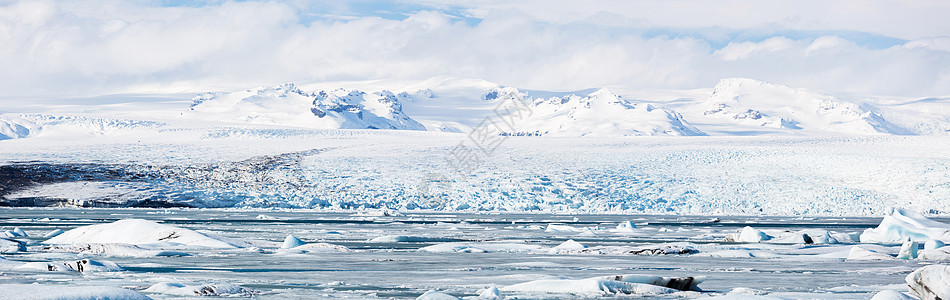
(80, 48)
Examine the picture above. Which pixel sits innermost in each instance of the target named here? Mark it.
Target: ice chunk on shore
(178, 289)
(49, 291)
(900, 224)
(291, 241)
(930, 282)
(858, 253)
(138, 232)
(436, 295)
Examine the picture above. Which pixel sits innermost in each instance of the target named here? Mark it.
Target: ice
(410, 239)
(626, 226)
(490, 293)
(11, 246)
(436, 295)
(930, 282)
(562, 228)
(483, 247)
(138, 232)
(110, 249)
(900, 224)
(908, 250)
(649, 249)
(891, 295)
(567, 246)
(749, 235)
(940, 254)
(597, 286)
(858, 253)
(53, 233)
(48, 291)
(222, 290)
(316, 248)
(83, 265)
(291, 241)
(933, 244)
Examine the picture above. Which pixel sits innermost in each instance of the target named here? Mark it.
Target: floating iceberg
(930, 282)
(900, 224)
(138, 232)
(291, 242)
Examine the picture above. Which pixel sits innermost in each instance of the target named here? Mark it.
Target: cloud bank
(90, 47)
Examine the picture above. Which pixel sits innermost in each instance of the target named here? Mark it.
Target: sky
(55, 48)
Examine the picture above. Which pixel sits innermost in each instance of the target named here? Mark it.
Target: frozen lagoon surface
(386, 258)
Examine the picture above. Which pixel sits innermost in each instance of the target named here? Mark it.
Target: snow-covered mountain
(601, 113)
(288, 105)
(756, 105)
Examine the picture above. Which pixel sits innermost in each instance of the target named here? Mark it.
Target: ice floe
(138, 232)
(11, 246)
(436, 295)
(891, 295)
(483, 247)
(858, 253)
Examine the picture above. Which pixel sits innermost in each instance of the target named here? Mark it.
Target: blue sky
(101, 46)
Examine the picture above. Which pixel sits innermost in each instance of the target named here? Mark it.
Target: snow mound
(891, 295)
(748, 235)
(178, 289)
(601, 113)
(48, 292)
(752, 103)
(291, 241)
(899, 225)
(930, 282)
(436, 295)
(858, 253)
(138, 232)
(290, 106)
(110, 249)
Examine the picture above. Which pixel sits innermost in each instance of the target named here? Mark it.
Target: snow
(49, 292)
(138, 232)
(901, 224)
(930, 282)
(409, 239)
(891, 295)
(567, 246)
(289, 105)
(482, 248)
(11, 246)
(53, 233)
(858, 253)
(436, 295)
(749, 235)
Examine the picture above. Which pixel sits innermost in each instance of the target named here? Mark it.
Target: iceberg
(900, 224)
